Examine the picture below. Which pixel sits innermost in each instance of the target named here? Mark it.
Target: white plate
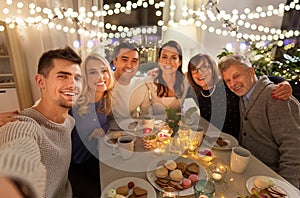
(231, 142)
(124, 124)
(189, 191)
(291, 193)
(124, 181)
(138, 130)
(109, 136)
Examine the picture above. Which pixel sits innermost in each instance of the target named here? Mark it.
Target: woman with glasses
(91, 122)
(217, 104)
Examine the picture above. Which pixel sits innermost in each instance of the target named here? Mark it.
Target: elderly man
(270, 128)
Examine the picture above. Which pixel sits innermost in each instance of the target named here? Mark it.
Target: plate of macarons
(180, 173)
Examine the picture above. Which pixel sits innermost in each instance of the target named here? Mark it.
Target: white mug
(239, 159)
(124, 147)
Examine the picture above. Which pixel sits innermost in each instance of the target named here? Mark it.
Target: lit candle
(157, 151)
(217, 176)
(169, 195)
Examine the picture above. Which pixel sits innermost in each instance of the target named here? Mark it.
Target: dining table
(113, 168)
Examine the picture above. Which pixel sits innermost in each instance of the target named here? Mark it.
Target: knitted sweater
(38, 152)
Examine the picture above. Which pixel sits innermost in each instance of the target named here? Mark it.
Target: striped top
(38, 152)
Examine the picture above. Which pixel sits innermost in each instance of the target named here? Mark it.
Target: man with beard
(35, 149)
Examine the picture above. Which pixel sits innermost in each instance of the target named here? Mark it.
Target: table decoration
(149, 142)
(218, 171)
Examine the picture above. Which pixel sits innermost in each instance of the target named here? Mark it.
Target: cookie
(161, 172)
(181, 166)
(138, 191)
(176, 175)
(221, 142)
(162, 185)
(122, 190)
(170, 165)
(193, 168)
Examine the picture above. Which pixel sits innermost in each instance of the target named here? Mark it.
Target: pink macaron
(186, 183)
(194, 178)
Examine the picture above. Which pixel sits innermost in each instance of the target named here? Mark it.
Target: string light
(231, 22)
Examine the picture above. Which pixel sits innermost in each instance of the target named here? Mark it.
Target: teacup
(124, 147)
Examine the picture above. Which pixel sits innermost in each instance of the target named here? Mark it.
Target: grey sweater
(270, 129)
(38, 152)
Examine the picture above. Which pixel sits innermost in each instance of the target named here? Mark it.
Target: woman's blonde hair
(87, 97)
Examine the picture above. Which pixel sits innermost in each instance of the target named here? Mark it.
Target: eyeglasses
(203, 68)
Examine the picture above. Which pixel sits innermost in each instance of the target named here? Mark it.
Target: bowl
(205, 154)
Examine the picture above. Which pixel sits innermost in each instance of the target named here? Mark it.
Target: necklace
(211, 93)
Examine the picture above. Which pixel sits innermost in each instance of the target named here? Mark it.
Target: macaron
(194, 178)
(170, 165)
(186, 183)
(176, 175)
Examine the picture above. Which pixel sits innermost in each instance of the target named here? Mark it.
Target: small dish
(205, 154)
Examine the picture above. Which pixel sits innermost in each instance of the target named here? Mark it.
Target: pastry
(262, 182)
(186, 183)
(122, 190)
(176, 175)
(193, 168)
(221, 142)
(181, 166)
(161, 184)
(111, 193)
(170, 165)
(173, 183)
(187, 173)
(116, 134)
(194, 178)
(161, 172)
(138, 191)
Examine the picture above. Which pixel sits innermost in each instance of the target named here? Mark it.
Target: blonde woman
(91, 117)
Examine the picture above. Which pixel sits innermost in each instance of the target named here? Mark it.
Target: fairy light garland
(85, 19)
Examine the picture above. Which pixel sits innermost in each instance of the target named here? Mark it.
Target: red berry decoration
(130, 185)
(206, 152)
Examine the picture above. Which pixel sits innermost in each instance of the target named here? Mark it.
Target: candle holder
(192, 145)
(218, 171)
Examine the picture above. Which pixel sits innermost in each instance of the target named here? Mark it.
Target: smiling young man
(126, 63)
(35, 150)
(270, 128)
